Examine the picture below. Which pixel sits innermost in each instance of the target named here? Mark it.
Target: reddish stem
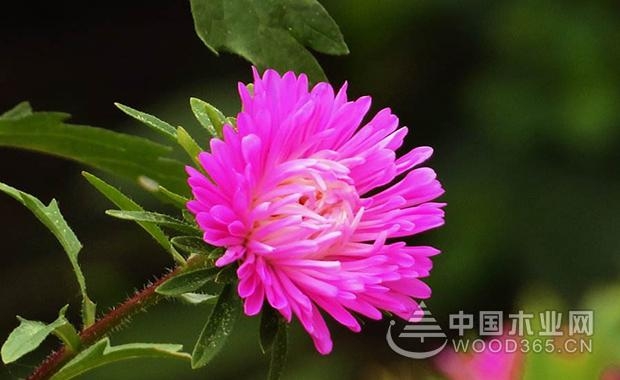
(138, 302)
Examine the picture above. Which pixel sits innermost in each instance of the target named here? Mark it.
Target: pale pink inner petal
(303, 196)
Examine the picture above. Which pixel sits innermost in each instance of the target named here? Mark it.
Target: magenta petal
(307, 199)
(254, 302)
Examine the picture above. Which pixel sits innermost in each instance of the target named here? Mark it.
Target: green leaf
(269, 322)
(279, 351)
(188, 144)
(227, 275)
(218, 327)
(216, 116)
(311, 25)
(30, 334)
(232, 121)
(187, 281)
(195, 245)
(127, 204)
(154, 217)
(189, 217)
(178, 135)
(270, 34)
(51, 217)
(150, 121)
(273, 337)
(101, 353)
(208, 116)
(21, 110)
(69, 336)
(197, 298)
(173, 198)
(593, 354)
(116, 153)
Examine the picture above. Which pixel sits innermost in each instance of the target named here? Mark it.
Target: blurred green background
(520, 99)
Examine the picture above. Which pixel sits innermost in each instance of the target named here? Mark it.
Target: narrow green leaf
(69, 336)
(270, 33)
(279, 352)
(21, 110)
(187, 281)
(127, 204)
(199, 108)
(195, 245)
(198, 298)
(189, 217)
(30, 334)
(216, 117)
(162, 193)
(150, 120)
(101, 353)
(208, 116)
(188, 144)
(154, 217)
(173, 198)
(218, 327)
(51, 217)
(269, 323)
(227, 275)
(116, 153)
(232, 121)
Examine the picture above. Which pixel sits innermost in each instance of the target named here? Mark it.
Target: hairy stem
(105, 325)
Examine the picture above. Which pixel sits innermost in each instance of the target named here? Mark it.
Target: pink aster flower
(304, 196)
(490, 364)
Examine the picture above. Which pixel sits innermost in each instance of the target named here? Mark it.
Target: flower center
(332, 200)
(316, 198)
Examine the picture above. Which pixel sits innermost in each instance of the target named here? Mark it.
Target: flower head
(488, 364)
(304, 199)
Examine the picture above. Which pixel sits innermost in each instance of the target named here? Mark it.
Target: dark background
(521, 101)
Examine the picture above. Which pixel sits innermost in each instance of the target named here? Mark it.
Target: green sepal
(172, 198)
(269, 323)
(186, 282)
(156, 218)
(198, 298)
(279, 351)
(227, 275)
(188, 144)
(195, 245)
(208, 116)
(218, 327)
